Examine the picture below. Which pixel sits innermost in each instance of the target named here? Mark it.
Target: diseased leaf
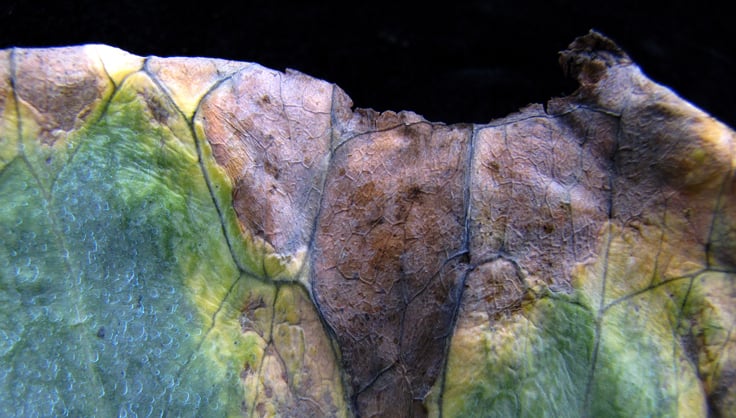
(198, 237)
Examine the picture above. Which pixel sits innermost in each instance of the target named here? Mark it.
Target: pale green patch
(622, 344)
(529, 364)
(99, 253)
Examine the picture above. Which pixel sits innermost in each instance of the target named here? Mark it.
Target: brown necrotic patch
(248, 315)
(274, 142)
(61, 86)
(157, 108)
(384, 273)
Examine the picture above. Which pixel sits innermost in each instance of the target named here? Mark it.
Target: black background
(452, 62)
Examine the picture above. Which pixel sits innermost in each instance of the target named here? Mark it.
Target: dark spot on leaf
(272, 169)
(414, 192)
(493, 166)
(157, 109)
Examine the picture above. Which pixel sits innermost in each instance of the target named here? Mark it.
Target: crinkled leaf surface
(198, 237)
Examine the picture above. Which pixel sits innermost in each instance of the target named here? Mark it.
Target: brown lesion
(251, 213)
(496, 288)
(157, 108)
(414, 193)
(272, 169)
(62, 86)
(248, 315)
(274, 148)
(393, 215)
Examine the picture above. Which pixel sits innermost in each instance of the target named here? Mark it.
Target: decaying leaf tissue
(199, 237)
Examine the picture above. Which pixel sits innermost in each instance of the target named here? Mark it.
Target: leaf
(189, 237)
